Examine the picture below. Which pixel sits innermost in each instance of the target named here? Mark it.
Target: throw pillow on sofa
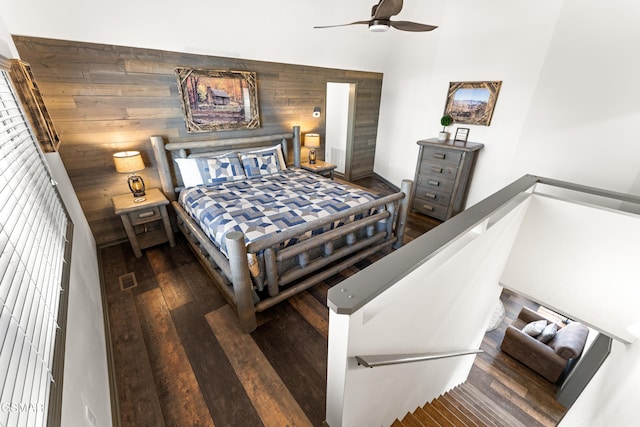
(548, 332)
(535, 328)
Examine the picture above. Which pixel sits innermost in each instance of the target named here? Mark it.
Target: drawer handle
(440, 156)
(427, 207)
(435, 183)
(430, 195)
(436, 169)
(146, 214)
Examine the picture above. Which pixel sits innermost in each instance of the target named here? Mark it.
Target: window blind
(35, 247)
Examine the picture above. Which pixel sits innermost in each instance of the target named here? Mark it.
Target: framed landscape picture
(218, 100)
(472, 102)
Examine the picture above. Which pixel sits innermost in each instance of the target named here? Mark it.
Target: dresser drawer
(441, 183)
(433, 195)
(429, 208)
(441, 157)
(144, 216)
(431, 169)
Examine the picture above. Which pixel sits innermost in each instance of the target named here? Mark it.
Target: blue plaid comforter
(259, 207)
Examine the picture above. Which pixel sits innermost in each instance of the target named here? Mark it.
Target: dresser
(443, 174)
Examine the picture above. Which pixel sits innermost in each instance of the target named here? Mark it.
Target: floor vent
(128, 281)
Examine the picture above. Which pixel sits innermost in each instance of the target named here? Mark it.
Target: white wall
(611, 399)
(582, 122)
(497, 40)
(568, 255)
(86, 380)
(251, 29)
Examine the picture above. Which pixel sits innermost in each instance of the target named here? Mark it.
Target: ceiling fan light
(378, 28)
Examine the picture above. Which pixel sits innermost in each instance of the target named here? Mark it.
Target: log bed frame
(284, 271)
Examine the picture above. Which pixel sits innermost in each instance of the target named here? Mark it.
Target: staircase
(462, 406)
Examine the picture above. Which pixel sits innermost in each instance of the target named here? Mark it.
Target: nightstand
(319, 167)
(146, 223)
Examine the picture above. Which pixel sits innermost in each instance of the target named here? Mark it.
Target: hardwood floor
(524, 394)
(179, 358)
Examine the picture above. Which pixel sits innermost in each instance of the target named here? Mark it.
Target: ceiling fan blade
(386, 9)
(343, 25)
(411, 26)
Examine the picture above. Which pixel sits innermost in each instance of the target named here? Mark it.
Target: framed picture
(461, 134)
(218, 100)
(472, 102)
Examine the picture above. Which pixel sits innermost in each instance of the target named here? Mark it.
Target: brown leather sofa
(551, 359)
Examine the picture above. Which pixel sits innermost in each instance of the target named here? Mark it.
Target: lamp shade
(312, 140)
(128, 161)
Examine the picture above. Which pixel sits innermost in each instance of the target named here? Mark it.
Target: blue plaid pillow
(208, 171)
(260, 164)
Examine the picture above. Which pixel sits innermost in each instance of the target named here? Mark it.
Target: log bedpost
(163, 167)
(241, 280)
(296, 146)
(403, 211)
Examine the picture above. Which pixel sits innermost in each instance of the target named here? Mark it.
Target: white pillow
(535, 328)
(548, 333)
(209, 171)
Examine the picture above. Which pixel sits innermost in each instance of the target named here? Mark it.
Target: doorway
(340, 114)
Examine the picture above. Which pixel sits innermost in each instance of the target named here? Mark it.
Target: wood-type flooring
(180, 360)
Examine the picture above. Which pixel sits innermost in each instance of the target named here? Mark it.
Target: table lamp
(131, 162)
(312, 140)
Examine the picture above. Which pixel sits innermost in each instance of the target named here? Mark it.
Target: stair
(462, 406)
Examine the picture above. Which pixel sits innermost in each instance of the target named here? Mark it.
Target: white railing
(375, 360)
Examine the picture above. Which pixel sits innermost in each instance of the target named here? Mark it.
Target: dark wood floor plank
(176, 383)
(138, 399)
(537, 418)
(488, 370)
(319, 292)
(315, 313)
(113, 265)
(206, 294)
(174, 288)
(145, 276)
(221, 389)
(291, 346)
(271, 398)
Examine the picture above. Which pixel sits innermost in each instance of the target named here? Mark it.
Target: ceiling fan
(380, 21)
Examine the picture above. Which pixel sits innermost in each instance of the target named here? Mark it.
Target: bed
(265, 229)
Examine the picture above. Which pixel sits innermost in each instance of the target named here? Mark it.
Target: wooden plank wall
(103, 99)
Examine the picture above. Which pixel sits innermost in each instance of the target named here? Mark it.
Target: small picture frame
(461, 134)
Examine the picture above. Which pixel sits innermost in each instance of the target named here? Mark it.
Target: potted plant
(445, 121)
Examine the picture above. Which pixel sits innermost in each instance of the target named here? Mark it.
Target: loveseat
(548, 359)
